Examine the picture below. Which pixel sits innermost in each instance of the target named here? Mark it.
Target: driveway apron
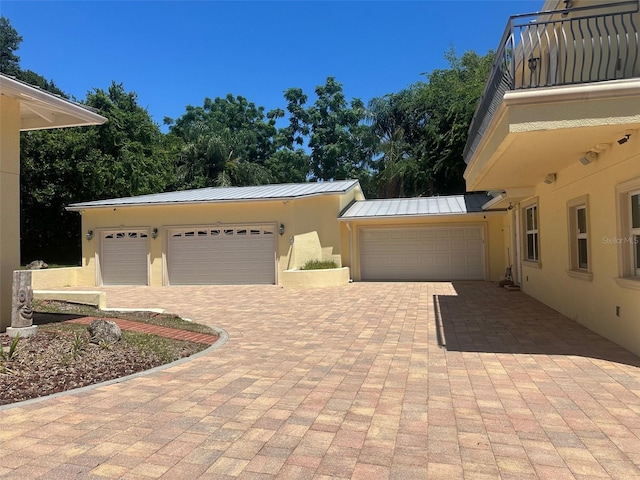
(365, 381)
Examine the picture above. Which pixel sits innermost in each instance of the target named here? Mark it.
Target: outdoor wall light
(624, 139)
(154, 233)
(281, 229)
(549, 179)
(89, 235)
(588, 158)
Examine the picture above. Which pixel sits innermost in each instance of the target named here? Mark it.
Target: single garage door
(231, 255)
(125, 257)
(422, 253)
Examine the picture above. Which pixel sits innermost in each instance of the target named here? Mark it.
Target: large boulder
(37, 265)
(106, 331)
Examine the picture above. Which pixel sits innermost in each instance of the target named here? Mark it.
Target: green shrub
(319, 265)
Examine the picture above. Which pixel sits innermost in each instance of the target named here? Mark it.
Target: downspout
(350, 252)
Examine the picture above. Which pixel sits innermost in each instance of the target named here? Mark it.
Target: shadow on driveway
(500, 321)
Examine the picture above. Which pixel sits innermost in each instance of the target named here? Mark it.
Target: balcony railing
(564, 47)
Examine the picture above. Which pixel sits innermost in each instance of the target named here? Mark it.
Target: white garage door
(124, 259)
(422, 254)
(231, 255)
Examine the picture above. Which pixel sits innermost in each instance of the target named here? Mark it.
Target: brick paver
(366, 381)
(174, 333)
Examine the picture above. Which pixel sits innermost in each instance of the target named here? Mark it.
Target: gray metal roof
(227, 194)
(421, 206)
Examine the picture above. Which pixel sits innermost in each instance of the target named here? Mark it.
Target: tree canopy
(405, 143)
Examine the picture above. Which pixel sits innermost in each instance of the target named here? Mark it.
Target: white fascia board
(61, 112)
(438, 215)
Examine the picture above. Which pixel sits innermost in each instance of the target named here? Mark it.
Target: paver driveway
(366, 381)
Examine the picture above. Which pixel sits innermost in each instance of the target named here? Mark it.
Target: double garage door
(422, 253)
(229, 255)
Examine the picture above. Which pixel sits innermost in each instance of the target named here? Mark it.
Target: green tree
(423, 129)
(223, 130)
(340, 143)
(9, 43)
(452, 95)
(126, 156)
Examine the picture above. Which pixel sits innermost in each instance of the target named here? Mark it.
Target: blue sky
(176, 53)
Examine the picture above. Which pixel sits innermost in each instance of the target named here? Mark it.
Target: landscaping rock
(104, 331)
(37, 265)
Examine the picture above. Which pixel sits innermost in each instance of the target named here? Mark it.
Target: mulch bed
(59, 357)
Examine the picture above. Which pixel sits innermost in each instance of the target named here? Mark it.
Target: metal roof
(420, 206)
(227, 194)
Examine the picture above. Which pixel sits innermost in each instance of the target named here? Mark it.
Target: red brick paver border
(161, 331)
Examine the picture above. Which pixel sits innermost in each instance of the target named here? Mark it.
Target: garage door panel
(425, 253)
(222, 256)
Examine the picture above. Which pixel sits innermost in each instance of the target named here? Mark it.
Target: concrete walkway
(366, 381)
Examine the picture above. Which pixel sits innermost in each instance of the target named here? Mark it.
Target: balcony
(576, 46)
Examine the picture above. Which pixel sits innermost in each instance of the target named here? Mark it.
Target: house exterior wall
(592, 302)
(311, 229)
(9, 202)
(492, 224)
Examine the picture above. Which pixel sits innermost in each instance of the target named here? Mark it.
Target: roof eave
(419, 216)
(50, 111)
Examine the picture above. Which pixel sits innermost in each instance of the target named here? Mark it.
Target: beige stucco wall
(492, 224)
(592, 303)
(9, 202)
(323, 278)
(311, 229)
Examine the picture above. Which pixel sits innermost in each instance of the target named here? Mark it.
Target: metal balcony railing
(564, 47)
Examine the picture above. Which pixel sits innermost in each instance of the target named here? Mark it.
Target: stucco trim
(581, 275)
(632, 283)
(574, 93)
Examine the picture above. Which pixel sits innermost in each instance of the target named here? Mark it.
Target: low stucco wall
(331, 277)
(97, 299)
(52, 278)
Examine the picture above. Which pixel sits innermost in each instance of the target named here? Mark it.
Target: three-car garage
(253, 235)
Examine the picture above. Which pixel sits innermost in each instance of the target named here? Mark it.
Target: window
(634, 232)
(579, 266)
(581, 236)
(531, 233)
(628, 238)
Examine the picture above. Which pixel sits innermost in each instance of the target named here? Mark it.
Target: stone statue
(22, 312)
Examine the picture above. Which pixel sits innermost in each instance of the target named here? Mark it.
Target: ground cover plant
(319, 265)
(60, 357)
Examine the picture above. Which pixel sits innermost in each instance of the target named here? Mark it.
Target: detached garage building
(253, 235)
(425, 239)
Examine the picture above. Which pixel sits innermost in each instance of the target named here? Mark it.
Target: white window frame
(575, 236)
(534, 232)
(634, 237)
(628, 236)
